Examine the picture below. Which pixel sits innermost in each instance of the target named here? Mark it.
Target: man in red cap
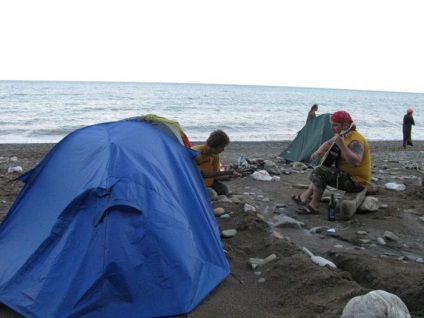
(352, 171)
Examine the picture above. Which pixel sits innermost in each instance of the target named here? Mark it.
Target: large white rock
(376, 304)
(370, 204)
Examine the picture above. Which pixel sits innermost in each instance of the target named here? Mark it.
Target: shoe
(297, 200)
(307, 209)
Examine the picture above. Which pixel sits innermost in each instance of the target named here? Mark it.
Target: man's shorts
(323, 177)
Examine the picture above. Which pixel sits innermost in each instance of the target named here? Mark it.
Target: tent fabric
(308, 139)
(115, 220)
(168, 124)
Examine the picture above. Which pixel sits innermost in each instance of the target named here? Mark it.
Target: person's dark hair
(217, 139)
(314, 107)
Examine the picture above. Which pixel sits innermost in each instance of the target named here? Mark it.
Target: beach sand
(292, 285)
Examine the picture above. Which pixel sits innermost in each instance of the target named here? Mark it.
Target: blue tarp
(114, 222)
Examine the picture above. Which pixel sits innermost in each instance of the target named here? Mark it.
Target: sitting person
(352, 171)
(209, 163)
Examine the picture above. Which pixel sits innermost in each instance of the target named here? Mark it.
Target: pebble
(17, 169)
(218, 211)
(261, 280)
(249, 208)
(229, 233)
(389, 235)
(381, 241)
(224, 216)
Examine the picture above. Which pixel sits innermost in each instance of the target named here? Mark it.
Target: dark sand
(293, 285)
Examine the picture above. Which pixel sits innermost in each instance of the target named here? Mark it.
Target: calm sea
(38, 112)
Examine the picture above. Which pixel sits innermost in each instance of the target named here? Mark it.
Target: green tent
(308, 139)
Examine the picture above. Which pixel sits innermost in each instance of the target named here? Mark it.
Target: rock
(376, 304)
(361, 232)
(271, 167)
(389, 235)
(381, 241)
(370, 204)
(13, 159)
(229, 233)
(17, 169)
(249, 208)
(299, 166)
(218, 211)
(212, 194)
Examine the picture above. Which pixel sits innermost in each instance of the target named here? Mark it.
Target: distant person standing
(408, 121)
(311, 114)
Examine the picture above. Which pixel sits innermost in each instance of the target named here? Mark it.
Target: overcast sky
(361, 44)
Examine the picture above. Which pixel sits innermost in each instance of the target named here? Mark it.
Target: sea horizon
(47, 111)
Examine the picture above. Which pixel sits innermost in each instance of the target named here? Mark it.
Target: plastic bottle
(332, 208)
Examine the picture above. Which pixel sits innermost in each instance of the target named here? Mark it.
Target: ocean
(45, 112)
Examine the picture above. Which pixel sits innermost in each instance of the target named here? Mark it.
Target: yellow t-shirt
(361, 174)
(210, 161)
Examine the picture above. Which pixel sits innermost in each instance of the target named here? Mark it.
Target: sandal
(297, 200)
(307, 209)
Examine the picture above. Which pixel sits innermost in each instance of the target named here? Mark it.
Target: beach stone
(361, 232)
(17, 169)
(213, 196)
(376, 304)
(223, 198)
(224, 216)
(13, 159)
(381, 241)
(235, 200)
(218, 211)
(271, 167)
(370, 204)
(249, 208)
(229, 233)
(389, 235)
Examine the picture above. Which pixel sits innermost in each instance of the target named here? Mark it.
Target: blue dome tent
(114, 221)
